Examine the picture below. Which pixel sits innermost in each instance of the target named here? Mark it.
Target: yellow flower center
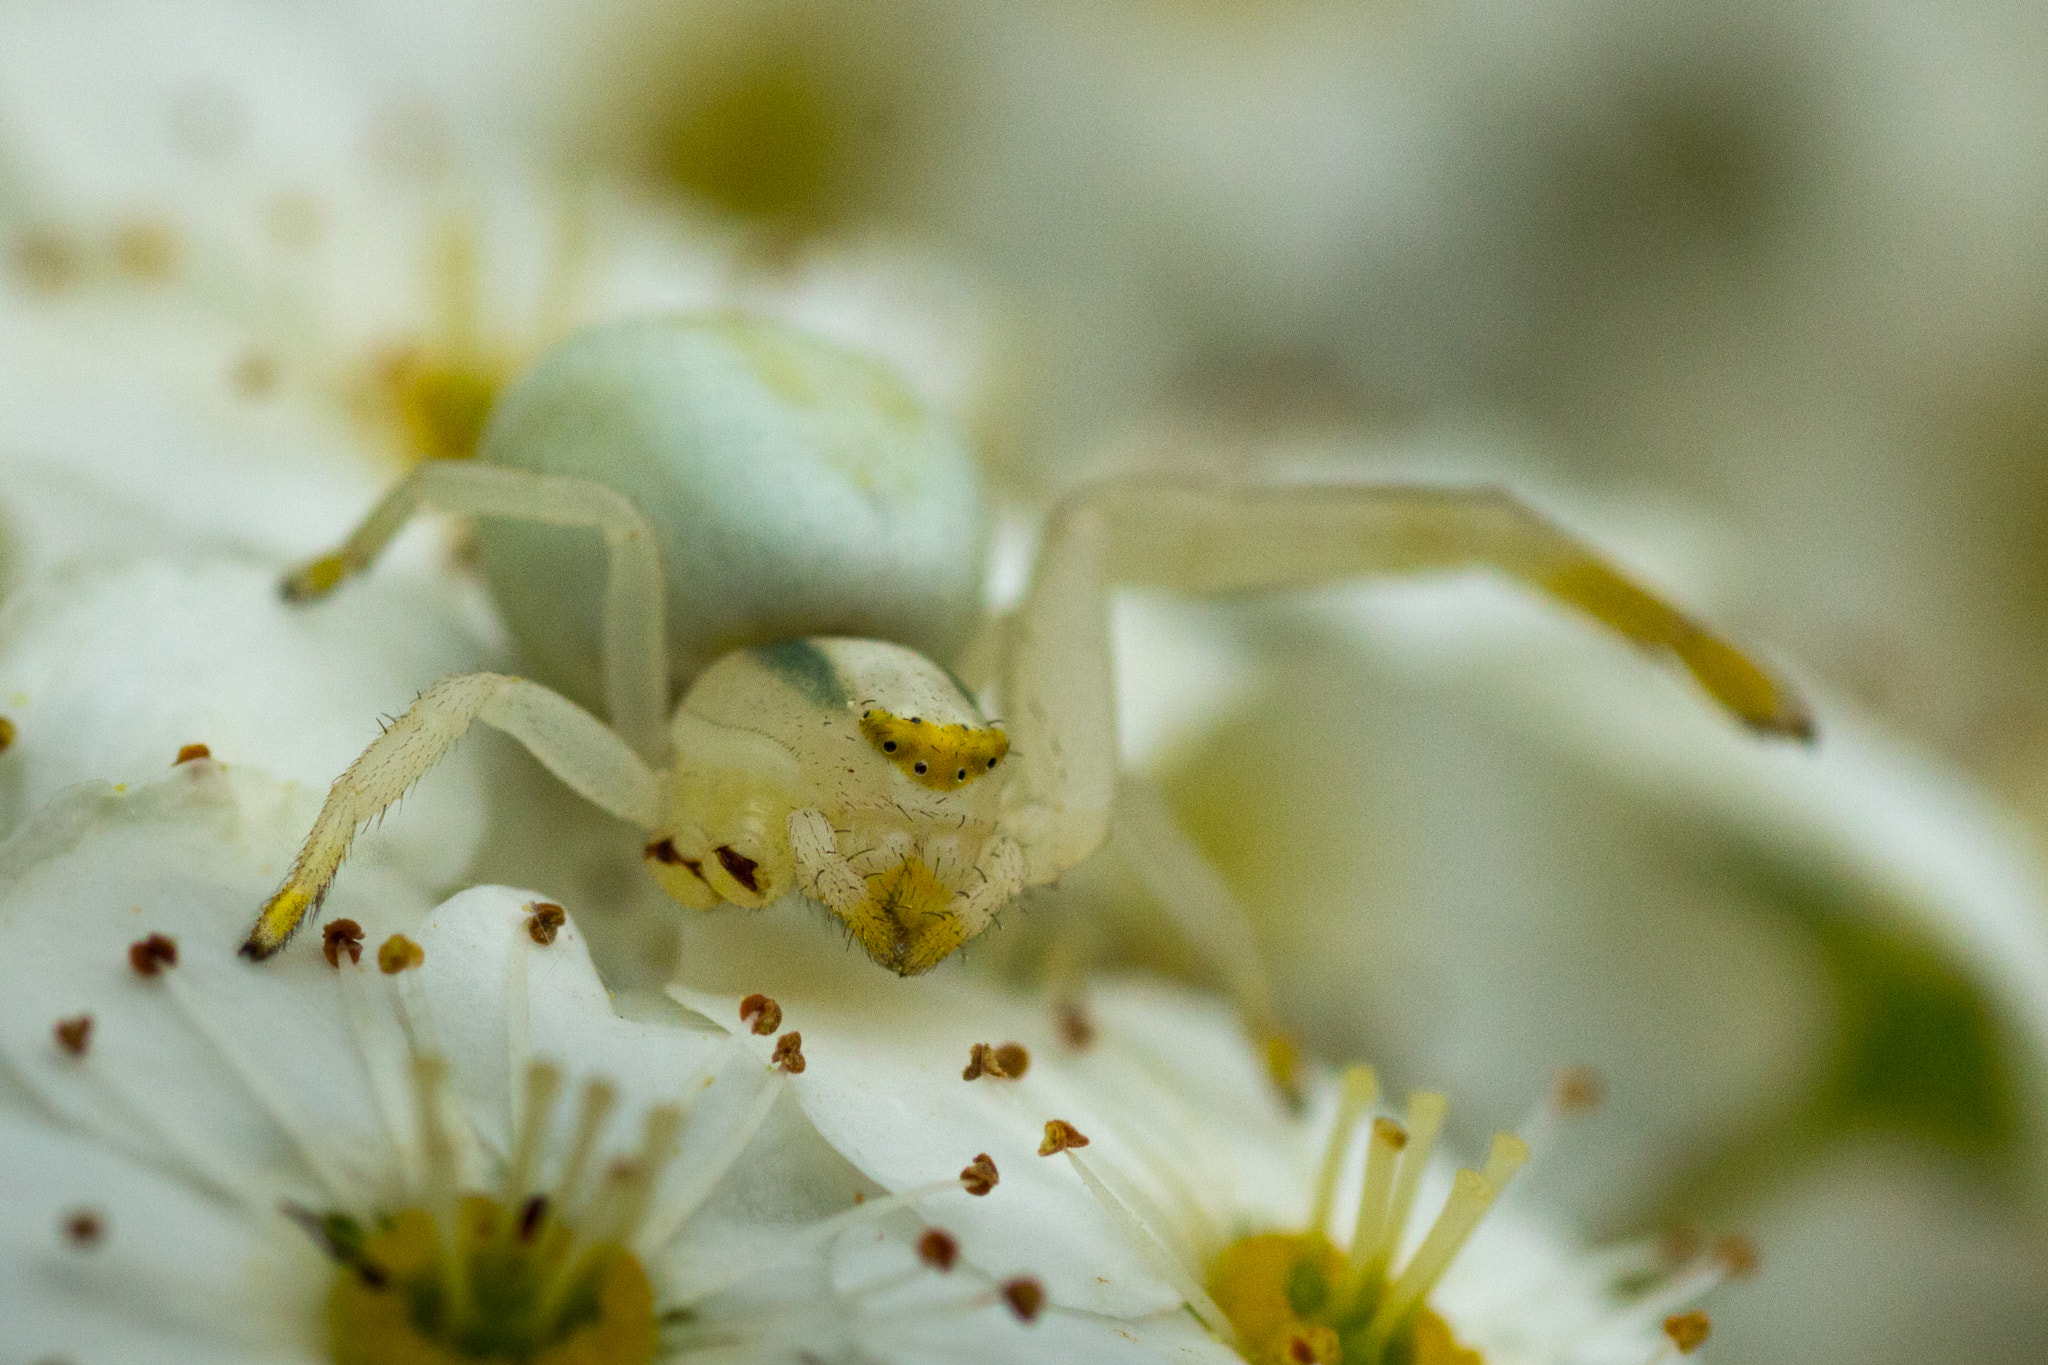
(439, 403)
(1293, 1301)
(519, 1287)
(1296, 1299)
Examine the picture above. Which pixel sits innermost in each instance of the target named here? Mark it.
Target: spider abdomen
(797, 489)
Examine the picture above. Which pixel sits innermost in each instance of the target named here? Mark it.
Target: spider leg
(1187, 887)
(1211, 536)
(634, 626)
(574, 745)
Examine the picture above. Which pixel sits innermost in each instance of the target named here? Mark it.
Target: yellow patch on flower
(527, 1292)
(1292, 1301)
(439, 404)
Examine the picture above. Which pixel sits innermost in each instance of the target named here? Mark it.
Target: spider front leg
(635, 663)
(574, 745)
(1211, 536)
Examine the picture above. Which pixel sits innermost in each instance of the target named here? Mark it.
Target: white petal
(499, 999)
(1880, 1256)
(108, 673)
(995, 1337)
(175, 1279)
(191, 855)
(882, 1083)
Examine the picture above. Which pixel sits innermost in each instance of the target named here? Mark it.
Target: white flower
(1198, 1188)
(243, 283)
(1818, 980)
(280, 1163)
(111, 672)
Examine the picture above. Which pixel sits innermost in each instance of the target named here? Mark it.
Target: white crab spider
(796, 544)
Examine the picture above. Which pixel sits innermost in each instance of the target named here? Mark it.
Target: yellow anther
(399, 954)
(941, 757)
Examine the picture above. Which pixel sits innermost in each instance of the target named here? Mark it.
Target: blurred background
(1754, 294)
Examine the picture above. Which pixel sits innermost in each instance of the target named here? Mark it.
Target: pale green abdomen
(797, 489)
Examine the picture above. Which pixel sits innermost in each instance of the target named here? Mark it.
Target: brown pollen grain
(1739, 1254)
(74, 1035)
(1688, 1331)
(46, 260)
(1007, 1061)
(84, 1228)
(254, 374)
(938, 1250)
(1580, 1090)
(789, 1053)
(761, 1013)
(545, 922)
(979, 1175)
(1059, 1136)
(151, 955)
(1025, 1296)
(1077, 1030)
(341, 936)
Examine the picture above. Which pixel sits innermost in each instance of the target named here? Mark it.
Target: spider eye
(920, 767)
(960, 776)
(991, 763)
(888, 746)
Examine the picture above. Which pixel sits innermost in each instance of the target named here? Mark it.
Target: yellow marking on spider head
(906, 924)
(941, 757)
(280, 917)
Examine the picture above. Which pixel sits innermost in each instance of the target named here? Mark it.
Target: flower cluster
(551, 1127)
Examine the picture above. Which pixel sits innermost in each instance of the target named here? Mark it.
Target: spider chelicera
(791, 542)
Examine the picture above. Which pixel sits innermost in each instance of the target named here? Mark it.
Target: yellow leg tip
(314, 580)
(281, 916)
(1760, 701)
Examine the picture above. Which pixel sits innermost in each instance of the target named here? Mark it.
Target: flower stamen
(186, 999)
(1426, 1110)
(663, 1226)
(537, 1102)
(1361, 1086)
(1372, 1239)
